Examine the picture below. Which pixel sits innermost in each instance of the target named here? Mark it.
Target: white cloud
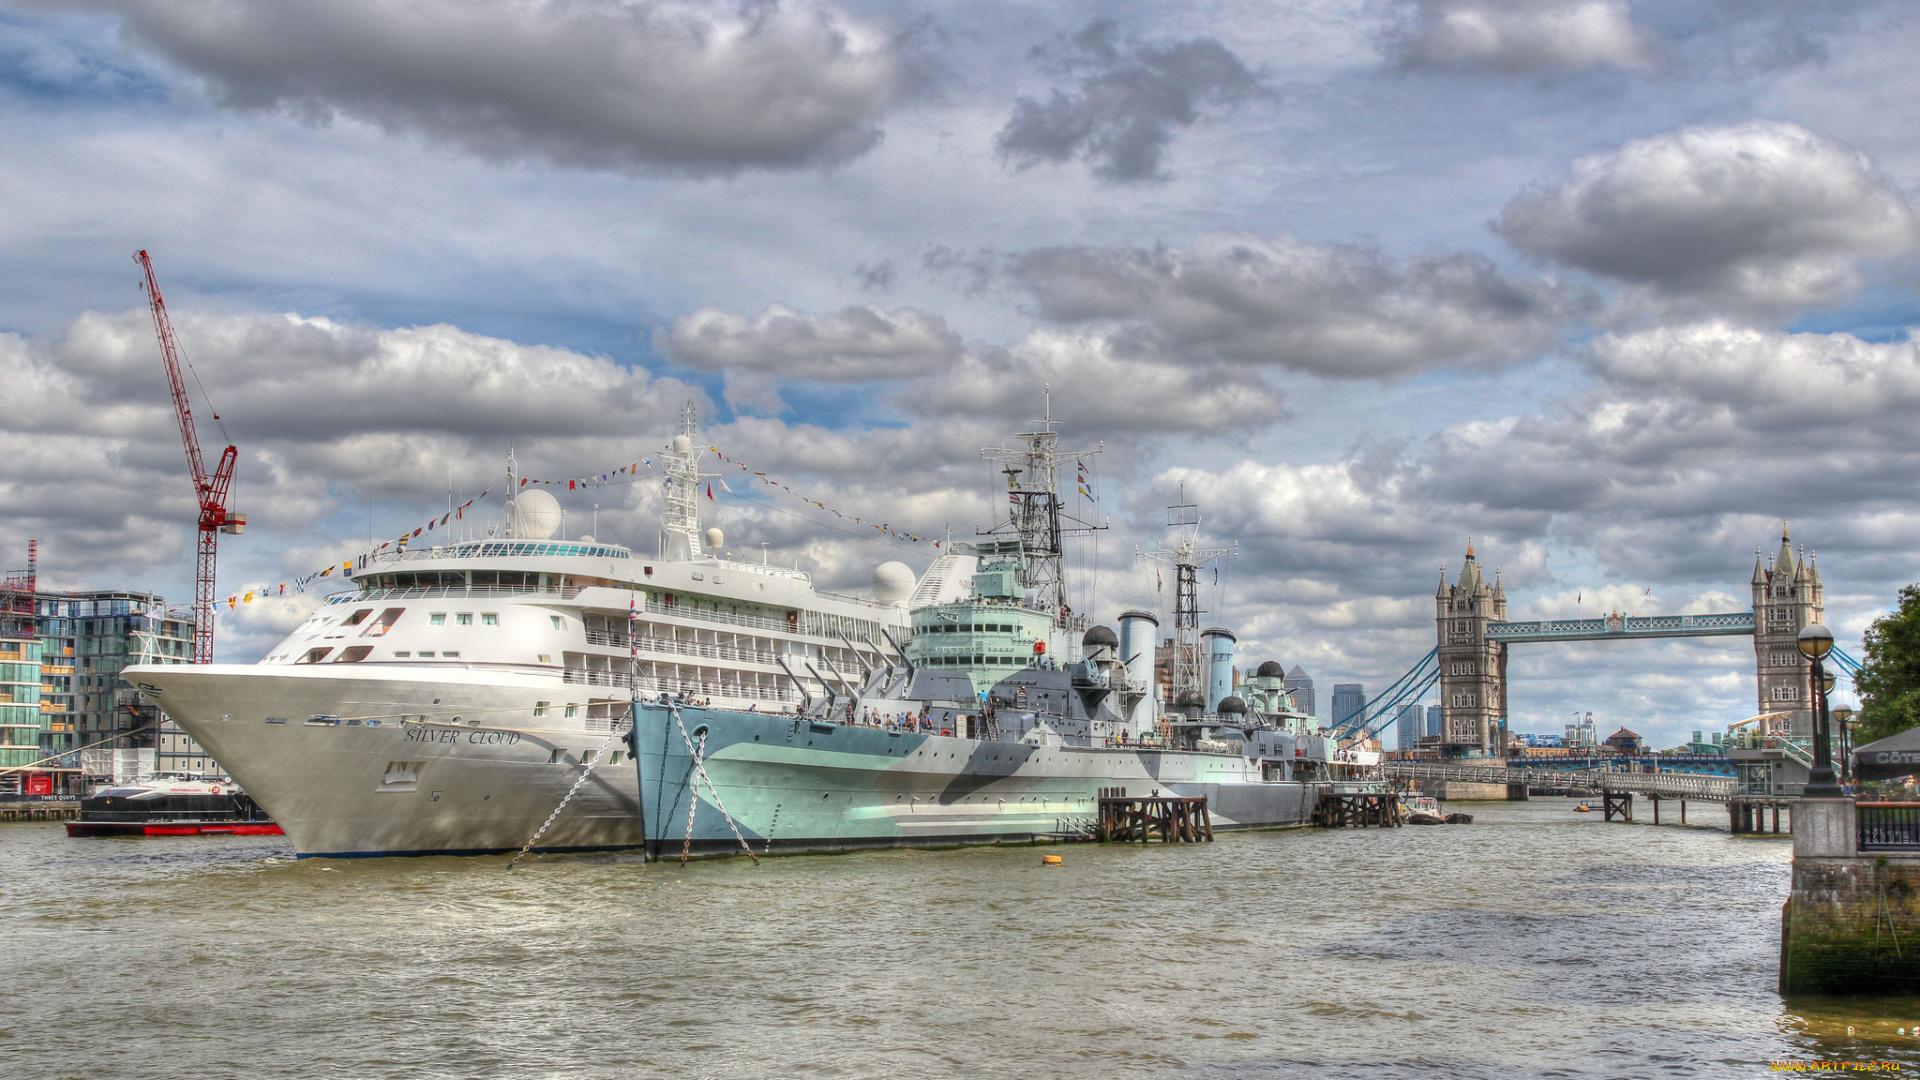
(1331, 309)
(853, 344)
(1764, 216)
(667, 85)
(1515, 37)
(1776, 382)
(1099, 388)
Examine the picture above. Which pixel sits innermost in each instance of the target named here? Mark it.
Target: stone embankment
(1852, 922)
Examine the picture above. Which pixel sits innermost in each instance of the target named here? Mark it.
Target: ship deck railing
(659, 684)
(423, 592)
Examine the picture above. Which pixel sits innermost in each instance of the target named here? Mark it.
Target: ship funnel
(1137, 630)
(1216, 645)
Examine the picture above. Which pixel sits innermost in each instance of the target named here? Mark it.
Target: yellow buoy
(1050, 860)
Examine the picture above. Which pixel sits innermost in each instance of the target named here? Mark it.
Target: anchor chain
(584, 773)
(693, 796)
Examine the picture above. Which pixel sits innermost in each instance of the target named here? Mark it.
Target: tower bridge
(1475, 636)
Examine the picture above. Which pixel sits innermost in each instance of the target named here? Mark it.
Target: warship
(1005, 717)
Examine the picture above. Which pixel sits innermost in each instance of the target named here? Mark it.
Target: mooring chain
(693, 795)
(584, 773)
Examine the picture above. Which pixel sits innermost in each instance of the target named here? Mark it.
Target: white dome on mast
(536, 514)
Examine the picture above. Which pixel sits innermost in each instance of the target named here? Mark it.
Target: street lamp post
(1815, 642)
(1843, 723)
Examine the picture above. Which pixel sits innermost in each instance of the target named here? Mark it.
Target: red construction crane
(212, 490)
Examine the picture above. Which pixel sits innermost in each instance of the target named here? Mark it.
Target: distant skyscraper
(1299, 685)
(1433, 719)
(1348, 698)
(1408, 726)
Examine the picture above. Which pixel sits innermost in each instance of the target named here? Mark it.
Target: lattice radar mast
(1034, 511)
(209, 489)
(1187, 684)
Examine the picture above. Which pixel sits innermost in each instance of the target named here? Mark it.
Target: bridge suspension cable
(1417, 680)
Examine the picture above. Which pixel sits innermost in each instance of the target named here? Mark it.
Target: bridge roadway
(1659, 785)
(1630, 626)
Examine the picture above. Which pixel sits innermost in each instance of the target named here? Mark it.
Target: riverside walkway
(1746, 813)
(1659, 785)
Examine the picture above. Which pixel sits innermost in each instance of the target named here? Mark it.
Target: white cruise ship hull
(371, 765)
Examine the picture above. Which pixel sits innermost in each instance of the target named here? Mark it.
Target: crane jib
(210, 490)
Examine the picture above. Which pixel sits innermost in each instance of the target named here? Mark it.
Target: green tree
(1889, 681)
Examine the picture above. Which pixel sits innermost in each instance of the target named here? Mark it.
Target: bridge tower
(1787, 595)
(1473, 670)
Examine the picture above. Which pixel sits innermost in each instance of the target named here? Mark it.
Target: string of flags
(399, 543)
(601, 480)
(877, 526)
(346, 569)
(633, 469)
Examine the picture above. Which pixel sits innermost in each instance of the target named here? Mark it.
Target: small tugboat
(171, 804)
(1422, 810)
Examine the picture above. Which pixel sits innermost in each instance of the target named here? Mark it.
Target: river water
(1535, 942)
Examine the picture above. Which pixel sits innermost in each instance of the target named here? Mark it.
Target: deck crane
(211, 490)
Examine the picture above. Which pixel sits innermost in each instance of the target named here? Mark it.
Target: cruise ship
(448, 703)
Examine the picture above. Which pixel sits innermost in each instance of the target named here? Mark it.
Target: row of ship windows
(439, 618)
(357, 653)
(977, 628)
(960, 661)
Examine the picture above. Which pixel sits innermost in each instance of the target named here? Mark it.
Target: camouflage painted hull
(791, 784)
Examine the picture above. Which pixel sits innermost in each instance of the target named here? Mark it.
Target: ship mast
(680, 524)
(1034, 513)
(1187, 686)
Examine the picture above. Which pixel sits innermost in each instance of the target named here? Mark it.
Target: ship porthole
(826, 794)
(700, 732)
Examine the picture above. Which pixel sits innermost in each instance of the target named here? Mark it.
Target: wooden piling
(1173, 820)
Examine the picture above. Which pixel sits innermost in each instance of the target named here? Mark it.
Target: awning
(1891, 757)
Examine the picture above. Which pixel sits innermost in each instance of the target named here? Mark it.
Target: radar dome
(1097, 636)
(1270, 670)
(682, 444)
(893, 582)
(715, 538)
(587, 539)
(1231, 704)
(536, 514)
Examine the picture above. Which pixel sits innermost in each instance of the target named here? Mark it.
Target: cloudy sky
(1610, 287)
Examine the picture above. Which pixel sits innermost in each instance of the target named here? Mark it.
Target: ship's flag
(709, 491)
(231, 601)
(723, 485)
(1084, 491)
(248, 600)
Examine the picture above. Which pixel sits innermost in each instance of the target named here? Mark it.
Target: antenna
(1034, 512)
(1186, 557)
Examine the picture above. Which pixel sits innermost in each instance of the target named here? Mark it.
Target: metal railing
(1887, 826)
(654, 684)
(1663, 785)
(705, 650)
(673, 647)
(422, 592)
(1791, 749)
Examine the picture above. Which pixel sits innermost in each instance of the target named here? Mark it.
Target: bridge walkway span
(1659, 785)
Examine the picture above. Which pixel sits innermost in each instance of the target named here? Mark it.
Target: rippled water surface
(1536, 942)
